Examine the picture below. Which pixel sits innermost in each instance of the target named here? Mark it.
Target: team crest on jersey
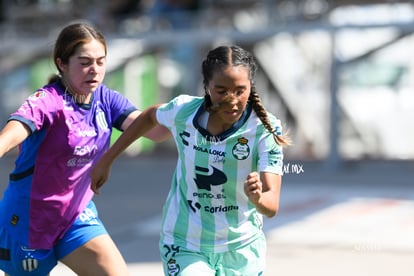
(101, 119)
(37, 95)
(29, 263)
(173, 267)
(241, 149)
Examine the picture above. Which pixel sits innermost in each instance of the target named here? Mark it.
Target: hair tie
(277, 131)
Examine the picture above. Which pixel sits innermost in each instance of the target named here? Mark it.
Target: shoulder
(46, 94)
(274, 122)
(182, 101)
(104, 92)
(185, 99)
(273, 119)
(110, 97)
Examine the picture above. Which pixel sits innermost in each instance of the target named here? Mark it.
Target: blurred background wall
(339, 74)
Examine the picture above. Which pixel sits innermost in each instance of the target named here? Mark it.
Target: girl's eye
(86, 63)
(225, 92)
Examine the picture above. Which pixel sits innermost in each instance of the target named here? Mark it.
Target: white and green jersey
(207, 209)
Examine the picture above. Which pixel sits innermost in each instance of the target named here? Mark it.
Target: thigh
(179, 261)
(87, 249)
(86, 227)
(249, 260)
(99, 257)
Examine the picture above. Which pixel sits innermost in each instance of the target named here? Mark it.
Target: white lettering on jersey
(84, 150)
(87, 133)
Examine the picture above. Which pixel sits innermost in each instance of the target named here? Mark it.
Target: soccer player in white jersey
(228, 174)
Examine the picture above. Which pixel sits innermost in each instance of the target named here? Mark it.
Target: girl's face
(229, 91)
(86, 68)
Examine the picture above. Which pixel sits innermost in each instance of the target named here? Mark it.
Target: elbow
(268, 209)
(271, 213)
(158, 134)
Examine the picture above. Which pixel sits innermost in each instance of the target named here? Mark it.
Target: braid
(207, 102)
(260, 111)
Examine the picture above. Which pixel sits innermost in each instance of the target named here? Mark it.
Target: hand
(253, 187)
(99, 174)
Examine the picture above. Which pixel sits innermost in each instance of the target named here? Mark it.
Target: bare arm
(264, 192)
(157, 134)
(12, 135)
(144, 122)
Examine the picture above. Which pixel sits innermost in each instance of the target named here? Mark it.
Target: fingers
(98, 175)
(253, 180)
(97, 181)
(95, 185)
(253, 175)
(95, 188)
(253, 185)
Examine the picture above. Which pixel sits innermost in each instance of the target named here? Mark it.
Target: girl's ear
(60, 65)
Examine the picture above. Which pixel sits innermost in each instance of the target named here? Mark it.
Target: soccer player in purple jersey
(47, 213)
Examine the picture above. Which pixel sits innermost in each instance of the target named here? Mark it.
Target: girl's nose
(92, 70)
(231, 99)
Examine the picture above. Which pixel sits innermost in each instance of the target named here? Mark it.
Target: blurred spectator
(178, 13)
(122, 8)
(2, 10)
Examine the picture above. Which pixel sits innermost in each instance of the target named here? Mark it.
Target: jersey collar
(222, 136)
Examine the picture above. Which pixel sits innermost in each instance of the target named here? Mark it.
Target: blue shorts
(16, 259)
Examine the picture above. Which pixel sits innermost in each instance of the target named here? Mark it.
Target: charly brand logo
(294, 168)
(184, 135)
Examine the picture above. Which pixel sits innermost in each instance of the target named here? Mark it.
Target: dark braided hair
(223, 56)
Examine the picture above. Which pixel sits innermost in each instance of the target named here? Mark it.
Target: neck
(216, 126)
(77, 97)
